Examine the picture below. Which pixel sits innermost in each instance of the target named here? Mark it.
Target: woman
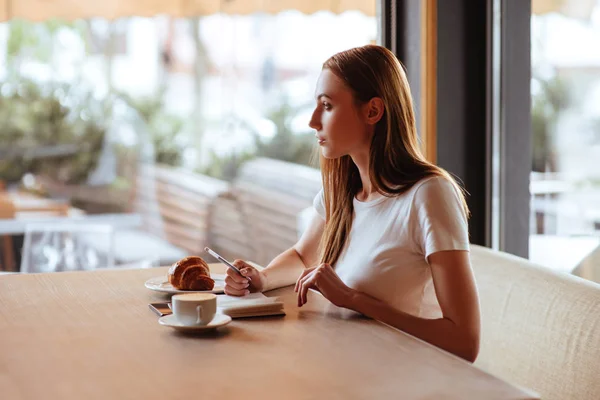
(390, 236)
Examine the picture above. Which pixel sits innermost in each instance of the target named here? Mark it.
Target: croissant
(194, 278)
(191, 273)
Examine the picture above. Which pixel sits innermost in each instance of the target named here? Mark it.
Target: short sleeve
(319, 203)
(439, 219)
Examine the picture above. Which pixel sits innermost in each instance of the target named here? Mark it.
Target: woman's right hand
(252, 280)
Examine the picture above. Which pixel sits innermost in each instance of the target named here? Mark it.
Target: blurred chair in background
(68, 247)
(17, 207)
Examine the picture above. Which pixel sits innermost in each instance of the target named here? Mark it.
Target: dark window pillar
(483, 105)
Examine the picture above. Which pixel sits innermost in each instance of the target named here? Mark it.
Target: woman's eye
(327, 106)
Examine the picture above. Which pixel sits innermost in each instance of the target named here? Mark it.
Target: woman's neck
(362, 163)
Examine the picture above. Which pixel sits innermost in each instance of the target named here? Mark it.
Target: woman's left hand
(324, 279)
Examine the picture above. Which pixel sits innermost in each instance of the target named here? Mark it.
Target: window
(565, 179)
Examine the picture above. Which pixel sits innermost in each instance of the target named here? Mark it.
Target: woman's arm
(458, 330)
(286, 267)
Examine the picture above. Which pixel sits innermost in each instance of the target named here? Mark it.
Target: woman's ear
(374, 110)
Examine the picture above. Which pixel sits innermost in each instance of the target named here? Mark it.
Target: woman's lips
(320, 140)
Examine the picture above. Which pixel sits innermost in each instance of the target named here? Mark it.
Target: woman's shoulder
(434, 184)
(436, 190)
(439, 193)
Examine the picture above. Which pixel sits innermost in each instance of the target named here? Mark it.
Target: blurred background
(144, 121)
(181, 125)
(565, 115)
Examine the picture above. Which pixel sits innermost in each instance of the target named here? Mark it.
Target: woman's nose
(314, 122)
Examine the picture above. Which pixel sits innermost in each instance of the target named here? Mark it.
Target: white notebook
(252, 305)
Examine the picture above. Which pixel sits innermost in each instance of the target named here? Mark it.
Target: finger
(299, 284)
(235, 292)
(302, 275)
(311, 282)
(307, 282)
(299, 296)
(235, 276)
(305, 286)
(249, 273)
(229, 281)
(299, 291)
(302, 293)
(244, 266)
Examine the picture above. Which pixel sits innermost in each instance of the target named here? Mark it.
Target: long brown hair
(395, 160)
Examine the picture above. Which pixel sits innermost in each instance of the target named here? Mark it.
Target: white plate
(161, 284)
(172, 322)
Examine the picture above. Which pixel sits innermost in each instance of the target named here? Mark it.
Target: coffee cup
(194, 308)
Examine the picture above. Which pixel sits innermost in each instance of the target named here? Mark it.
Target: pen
(224, 261)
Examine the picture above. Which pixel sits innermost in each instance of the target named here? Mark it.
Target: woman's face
(340, 126)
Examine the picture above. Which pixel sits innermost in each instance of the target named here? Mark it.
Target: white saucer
(218, 321)
(160, 284)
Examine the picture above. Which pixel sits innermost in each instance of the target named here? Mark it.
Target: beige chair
(540, 328)
(270, 195)
(175, 208)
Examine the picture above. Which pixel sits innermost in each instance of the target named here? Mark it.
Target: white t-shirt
(385, 255)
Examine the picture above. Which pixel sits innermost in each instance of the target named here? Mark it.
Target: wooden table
(91, 335)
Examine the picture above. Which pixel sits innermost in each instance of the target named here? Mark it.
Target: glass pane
(177, 132)
(565, 179)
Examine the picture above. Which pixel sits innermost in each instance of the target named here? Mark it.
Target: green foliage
(35, 40)
(286, 145)
(42, 118)
(48, 128)
(51, 129)
(225, 167)
(20, 37)
(164, 128)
